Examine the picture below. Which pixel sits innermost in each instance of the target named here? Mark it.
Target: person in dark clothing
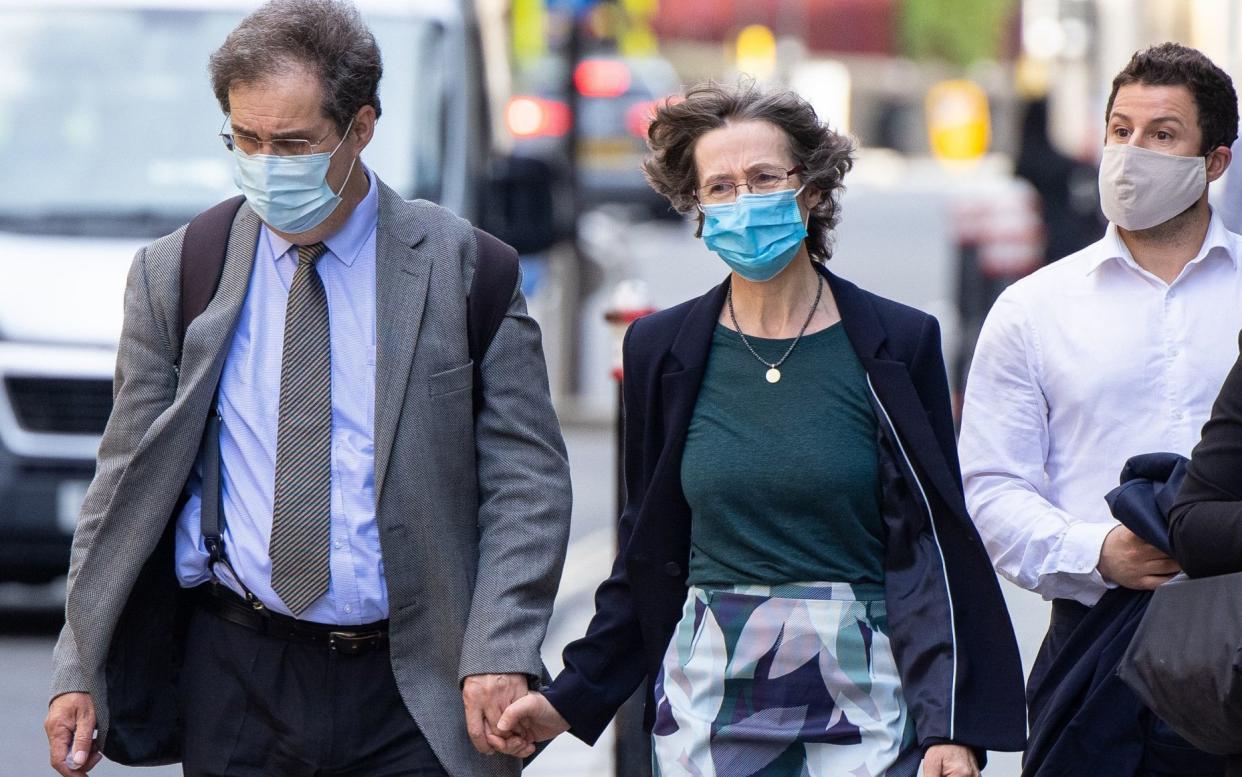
(1069, 198)
(1206, 523)
(1207, 519)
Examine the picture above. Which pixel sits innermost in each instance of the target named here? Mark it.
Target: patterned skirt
(795, 680)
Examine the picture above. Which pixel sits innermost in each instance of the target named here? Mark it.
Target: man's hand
(528, 720)
(950, 761)
(70, 727)
(485, 697)
(1131, 563)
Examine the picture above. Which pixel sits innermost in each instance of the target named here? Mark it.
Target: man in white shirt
(1116, 350)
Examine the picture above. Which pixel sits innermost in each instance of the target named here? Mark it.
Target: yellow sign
(756, 51)
(638, 39)
(958, 125)
(529, 30)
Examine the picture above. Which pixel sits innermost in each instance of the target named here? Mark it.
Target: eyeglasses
(758, 182)
(278, 147)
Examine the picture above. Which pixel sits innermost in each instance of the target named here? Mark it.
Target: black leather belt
(348, 640)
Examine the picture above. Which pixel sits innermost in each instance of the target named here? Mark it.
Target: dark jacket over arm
(1206, 523)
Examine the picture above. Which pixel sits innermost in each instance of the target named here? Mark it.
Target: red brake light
(602, 78)
(530, 117)
(638, 118)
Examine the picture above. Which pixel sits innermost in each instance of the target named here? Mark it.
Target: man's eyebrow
(1157, 120)
(1168, 119)
(297, 134)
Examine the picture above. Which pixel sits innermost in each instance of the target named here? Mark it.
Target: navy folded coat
(1085, 722)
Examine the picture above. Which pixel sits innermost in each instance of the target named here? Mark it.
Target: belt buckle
(351, 643)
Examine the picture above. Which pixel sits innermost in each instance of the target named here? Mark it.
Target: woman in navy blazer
(957, 672)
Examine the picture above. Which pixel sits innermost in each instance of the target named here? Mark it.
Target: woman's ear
(813, 197)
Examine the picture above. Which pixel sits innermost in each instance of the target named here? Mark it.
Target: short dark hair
(1172, 64)
(825, 156)
(327, 37)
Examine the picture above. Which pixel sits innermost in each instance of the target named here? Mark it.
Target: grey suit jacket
(473, 512)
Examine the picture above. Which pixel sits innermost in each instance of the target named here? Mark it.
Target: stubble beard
(1171, 231)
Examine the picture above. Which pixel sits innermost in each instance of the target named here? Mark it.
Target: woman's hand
(948, 761)
(528, 720)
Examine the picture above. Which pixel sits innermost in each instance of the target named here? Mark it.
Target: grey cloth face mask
(1140, 188)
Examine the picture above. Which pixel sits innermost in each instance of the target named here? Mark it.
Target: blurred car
(108, 132)
(617, 97)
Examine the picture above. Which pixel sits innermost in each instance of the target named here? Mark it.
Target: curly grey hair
(327, 37)
(824, 155)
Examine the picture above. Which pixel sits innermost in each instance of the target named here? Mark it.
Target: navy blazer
(951, 634)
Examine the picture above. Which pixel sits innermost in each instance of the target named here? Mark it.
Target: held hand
(485, 697)
(1131, 563)
(531, 719)
(70, 728)
(949, 761)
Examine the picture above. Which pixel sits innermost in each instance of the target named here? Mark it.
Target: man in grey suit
(390, 553)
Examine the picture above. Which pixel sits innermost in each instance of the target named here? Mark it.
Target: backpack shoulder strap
(495, 276)
(203, 250)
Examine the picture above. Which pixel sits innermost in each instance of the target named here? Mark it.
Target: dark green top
(782, 478)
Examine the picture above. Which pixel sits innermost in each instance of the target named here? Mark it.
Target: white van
(109, 139)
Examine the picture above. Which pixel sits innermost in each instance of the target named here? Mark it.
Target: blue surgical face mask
(757, 235)
(289, 193)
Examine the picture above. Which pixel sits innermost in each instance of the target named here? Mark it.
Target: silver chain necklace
(773, 374)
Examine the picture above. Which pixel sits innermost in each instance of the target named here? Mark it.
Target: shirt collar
(1216, 241)
(346, 242)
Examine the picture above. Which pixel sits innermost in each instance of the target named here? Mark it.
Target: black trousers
(256, 706)
(1067, 614)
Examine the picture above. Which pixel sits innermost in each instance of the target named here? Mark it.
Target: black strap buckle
(351, 643)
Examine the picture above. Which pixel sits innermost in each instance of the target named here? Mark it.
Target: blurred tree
(957, 31)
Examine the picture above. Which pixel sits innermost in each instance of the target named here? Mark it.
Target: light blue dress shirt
(249, 402)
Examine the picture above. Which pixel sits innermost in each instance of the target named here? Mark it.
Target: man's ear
(1218, 160)
(363, 128)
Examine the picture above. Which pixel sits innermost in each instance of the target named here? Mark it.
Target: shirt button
(336, 545)
(1177, 415)
(349, 608)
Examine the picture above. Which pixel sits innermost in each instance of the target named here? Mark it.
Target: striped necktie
(302, 513)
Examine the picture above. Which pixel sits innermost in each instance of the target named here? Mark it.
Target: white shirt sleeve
(1004, 450)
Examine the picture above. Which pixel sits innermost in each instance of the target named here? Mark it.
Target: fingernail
(80, 757)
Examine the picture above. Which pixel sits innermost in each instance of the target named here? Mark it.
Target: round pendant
(773, 375)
